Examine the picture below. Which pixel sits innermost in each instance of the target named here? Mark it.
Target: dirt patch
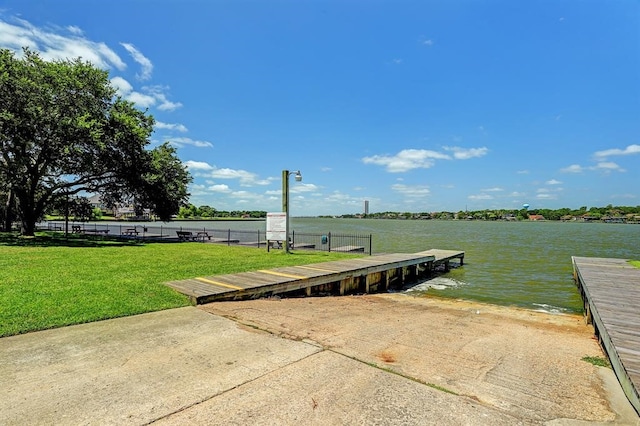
(387, 356)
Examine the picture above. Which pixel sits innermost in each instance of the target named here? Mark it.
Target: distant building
(536, 217)
(366, 207)
(96, 202)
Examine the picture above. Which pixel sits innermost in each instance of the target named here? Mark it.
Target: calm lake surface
(524, 264)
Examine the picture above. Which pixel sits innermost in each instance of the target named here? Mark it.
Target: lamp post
(285, 201)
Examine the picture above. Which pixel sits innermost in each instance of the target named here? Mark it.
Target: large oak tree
(64, 130)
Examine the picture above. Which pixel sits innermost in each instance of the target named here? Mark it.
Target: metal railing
(332, 242)
(151, 232)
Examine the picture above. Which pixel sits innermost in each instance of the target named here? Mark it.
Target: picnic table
(185, 235)
(130, 232)
(190, 236)
(202, 235)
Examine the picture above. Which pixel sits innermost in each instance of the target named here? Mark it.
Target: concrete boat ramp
(359, 275)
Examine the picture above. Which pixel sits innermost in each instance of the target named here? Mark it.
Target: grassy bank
(49, 282)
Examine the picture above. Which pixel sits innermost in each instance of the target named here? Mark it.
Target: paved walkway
(188, 366)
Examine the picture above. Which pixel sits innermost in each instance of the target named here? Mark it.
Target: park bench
(76, 229)
(130, 232)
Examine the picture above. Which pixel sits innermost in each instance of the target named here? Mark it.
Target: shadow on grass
(55, 239)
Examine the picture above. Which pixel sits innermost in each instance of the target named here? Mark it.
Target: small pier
(610, 290)
(358, 275)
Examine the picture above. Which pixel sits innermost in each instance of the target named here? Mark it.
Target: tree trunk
(27, 212)
(28, 227)
(8, 212)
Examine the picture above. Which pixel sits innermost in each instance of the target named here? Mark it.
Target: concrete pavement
(189, 366)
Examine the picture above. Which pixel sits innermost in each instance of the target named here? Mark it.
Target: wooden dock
(358, 275)
(610, 290)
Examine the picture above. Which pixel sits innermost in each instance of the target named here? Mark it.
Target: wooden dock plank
(293, 278)
(611, 291)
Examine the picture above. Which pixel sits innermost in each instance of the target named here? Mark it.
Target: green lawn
(635, 263)
(49, 282)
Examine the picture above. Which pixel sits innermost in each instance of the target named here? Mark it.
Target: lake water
(524, 264)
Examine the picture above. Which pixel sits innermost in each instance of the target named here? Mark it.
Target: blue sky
(416, 106)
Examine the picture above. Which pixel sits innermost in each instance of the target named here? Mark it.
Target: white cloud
(170, 126)
(406, 160)
(148, 97)
(75, 30)
(409, 159)
(428, 42)
(198, 165)
(630, 150)
(140, 99)
(495, 189)
(466, 153)
(574, 168)
(167, 105)
(546, 196)
(523, 172)
(227, 173)
(481, 197)
(338, 198)
(122, 86)
(180, 142)
(57, 43)
(145, 63)
(608, 166)
(411, 191)
(298, 188)
(553, 182)
(196, 189)
(220, 188)
(244, 177)
(158, 92)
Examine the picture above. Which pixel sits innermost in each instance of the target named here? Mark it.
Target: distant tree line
(610, 212)
(207, 212)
